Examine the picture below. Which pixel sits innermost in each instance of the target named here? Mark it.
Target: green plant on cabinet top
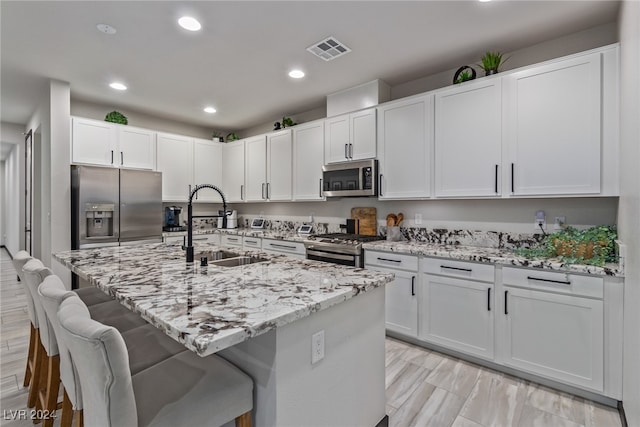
(116, 117)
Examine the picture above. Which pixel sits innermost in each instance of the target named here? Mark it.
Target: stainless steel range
(338, 248)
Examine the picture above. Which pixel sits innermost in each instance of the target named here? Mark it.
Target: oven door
(335, 258)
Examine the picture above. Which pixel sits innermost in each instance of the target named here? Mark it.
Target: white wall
(629, 210)
(3, 236)
(96, 111)
(13, 189)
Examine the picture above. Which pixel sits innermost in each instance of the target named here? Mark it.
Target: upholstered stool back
(34, 273)
(21, 258)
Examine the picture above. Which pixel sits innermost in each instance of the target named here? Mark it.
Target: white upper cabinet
(107, 144)
(468, 139)
(404, 148)
(207, 168)
(308, 159)
(351, 136)
(256, 169)
(136, 147)
(279, 166)
(553, 117)
(233, 171)
(175, 161)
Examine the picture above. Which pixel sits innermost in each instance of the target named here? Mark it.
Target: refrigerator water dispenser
(99, 217)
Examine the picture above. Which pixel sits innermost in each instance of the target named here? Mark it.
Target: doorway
(28, 192)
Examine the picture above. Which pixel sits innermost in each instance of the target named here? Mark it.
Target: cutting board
(368, 221)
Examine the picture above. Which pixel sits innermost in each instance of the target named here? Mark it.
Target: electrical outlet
(540, 223)
(317, 347)
(559, 223)
(311, 216)
(418, 219)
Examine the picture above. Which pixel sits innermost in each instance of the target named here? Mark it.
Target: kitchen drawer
(462, 269)
(565, 283)
(391, 260)
(175, 239)
(208, 238)
(252, 242)
(231, 240)
(283, 246)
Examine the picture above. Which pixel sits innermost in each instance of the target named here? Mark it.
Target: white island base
(346, 388)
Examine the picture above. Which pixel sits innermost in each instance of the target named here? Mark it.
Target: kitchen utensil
(367, 220)
(391, 220)
(399, 219)
(353, 226)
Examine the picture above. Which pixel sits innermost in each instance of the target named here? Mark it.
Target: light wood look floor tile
(597, 415)
(532, 417)
(405, 383)
(561, 404)
(461, 421)
(454, 375)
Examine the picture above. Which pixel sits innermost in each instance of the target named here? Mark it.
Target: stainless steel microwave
(351, 179)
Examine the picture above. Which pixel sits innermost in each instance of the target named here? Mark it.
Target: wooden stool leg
(35, 372)
(30, 355)
(244, 420)
(78, 418)
(41, 384)
(49, 394)
(67, 411)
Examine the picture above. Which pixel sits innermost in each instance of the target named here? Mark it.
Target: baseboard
(623, 416)
(384, 422)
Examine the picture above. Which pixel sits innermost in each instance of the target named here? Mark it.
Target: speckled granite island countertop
(211, 308)
(489, 255)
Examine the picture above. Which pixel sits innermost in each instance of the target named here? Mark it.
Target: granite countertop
(489, 255)
(212, 308)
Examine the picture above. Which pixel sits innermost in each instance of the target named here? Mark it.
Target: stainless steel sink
(237, 261)
(214, 255)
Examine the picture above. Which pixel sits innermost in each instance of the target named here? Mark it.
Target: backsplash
(485, 239)
(269, 224)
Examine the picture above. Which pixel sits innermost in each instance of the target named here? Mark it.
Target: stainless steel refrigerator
(114, 207)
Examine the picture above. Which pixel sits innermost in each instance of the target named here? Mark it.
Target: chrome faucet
(190, 216)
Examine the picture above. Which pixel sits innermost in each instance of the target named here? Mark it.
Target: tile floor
(424, 388)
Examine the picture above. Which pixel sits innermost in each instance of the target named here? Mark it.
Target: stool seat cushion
(147, 346)
(187, 389)
(112, 313)
(92, 296)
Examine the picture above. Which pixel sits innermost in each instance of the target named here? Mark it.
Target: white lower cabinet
(401, 306)
(231, 240)
(251, 242)
(284, 247)
(557, 336)
(206, 238)
(458, 314)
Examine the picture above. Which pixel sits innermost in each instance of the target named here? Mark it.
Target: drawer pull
(468, 270)
(276, 245)
(413, 286)
(562, 282)
(199, 238)
(389, 260)
(233, 239)
(489, 299)
(506, 310)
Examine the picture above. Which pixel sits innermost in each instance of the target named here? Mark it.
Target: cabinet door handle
(380, 185)
(232, 239)
(346, 151)
(268, 189)
(562, 282)
(111, 156)
(320, 189)
(413, 286)
(241, 192)
(512, 178)
(488, 299)
(121, 158)
(263, 190)
(495, 185)
(506, 310)
(351, 151)
(457, 268)
(390, 260)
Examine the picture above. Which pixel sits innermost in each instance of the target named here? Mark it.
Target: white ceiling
(239, 61)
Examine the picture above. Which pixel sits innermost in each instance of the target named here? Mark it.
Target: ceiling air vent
(328, 49)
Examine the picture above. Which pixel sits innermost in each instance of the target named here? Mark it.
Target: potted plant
(232, 137)
(463, 74)
(217, 136)
(491, 61)
(116, 117)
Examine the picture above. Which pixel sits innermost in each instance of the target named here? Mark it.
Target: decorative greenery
(286, 121)
(491, 61)
(116, 117)
(593, 246)
(463, 77)
(232, 137)
(217, 135)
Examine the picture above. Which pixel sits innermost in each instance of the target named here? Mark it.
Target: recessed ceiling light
(484, 1)
(106, 28)
(210, 110)
(189, 23)
(117, 86)
(296, 74)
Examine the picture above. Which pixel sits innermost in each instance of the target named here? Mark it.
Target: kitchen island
(262, 317)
